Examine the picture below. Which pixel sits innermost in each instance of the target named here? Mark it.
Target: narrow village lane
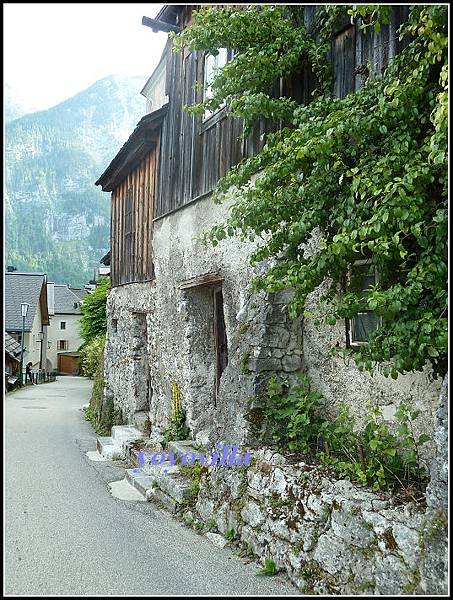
(65, 533)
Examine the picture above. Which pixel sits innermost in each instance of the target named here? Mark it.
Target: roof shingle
(19, 288)
(65, 300)
(12, 346)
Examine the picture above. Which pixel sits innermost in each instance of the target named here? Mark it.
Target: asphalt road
(66, 534)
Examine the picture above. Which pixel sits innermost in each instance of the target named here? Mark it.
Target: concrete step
(181, 446)
(157, 495)
(143, 483)
(158, 470)
(125, 433)
(103, 441)
(108, 449)
(172, 484)
(150, 489)
(115, 446)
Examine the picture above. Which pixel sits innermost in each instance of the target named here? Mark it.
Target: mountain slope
(57, 221)
(14, 108)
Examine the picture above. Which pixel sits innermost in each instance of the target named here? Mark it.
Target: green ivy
(373, 456)
(368, 172)
(92, 355)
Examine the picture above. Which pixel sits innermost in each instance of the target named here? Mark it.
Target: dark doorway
(220, 338)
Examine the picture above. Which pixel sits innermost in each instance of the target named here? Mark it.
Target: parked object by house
(64, 337)
(29, 288)
(12, 361)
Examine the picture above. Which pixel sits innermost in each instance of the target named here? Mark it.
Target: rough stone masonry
(330, 536)
(327, 534)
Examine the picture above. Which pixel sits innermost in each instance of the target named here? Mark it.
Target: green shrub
(93, 322)
(92, 356)
(374, 456)
(269, 568)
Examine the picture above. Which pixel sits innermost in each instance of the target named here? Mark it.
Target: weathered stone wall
(260, 337)
(343, 382)
(327, 534)
(434, 567)
(127, 356)
(178, 342)
(330, 536)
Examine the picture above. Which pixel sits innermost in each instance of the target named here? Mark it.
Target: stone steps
(143, 483)
(125, 433)
(163, 483)
(107, 449)
(173, 483)
(114, 447)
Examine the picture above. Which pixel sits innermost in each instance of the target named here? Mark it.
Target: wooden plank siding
(132, 211)
(195, 152)
(190, 153)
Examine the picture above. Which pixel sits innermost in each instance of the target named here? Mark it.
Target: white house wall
(71, 334)
(31, 344)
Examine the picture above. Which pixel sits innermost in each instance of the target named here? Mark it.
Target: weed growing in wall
(177, 428)
(269, 568)
(374, 456)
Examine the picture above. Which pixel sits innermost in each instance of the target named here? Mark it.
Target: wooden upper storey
(174, 158)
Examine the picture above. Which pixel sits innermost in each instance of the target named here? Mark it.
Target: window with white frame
(211, 65)
(62, 344)
(362, 277)
(62, 324)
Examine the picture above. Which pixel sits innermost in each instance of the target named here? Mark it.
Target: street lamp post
(23, 310)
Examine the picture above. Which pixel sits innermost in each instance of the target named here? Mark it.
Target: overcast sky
(53, 51)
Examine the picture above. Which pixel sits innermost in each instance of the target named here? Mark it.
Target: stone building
(179, 311)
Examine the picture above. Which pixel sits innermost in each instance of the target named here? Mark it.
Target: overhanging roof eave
(140, 140)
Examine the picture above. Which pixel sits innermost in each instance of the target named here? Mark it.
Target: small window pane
(362, 278)
(363, 325)
(211, 65)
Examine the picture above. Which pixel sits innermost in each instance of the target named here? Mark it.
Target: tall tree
(94, 320)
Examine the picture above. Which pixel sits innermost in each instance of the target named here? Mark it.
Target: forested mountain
(57, 221)
(13, 107)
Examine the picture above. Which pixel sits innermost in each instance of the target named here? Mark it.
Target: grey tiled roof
(80, 292)
(64, 301)
(21, 287)
(11, 345)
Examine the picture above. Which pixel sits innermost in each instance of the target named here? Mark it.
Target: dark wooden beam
(159, 25)
(205, 280)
